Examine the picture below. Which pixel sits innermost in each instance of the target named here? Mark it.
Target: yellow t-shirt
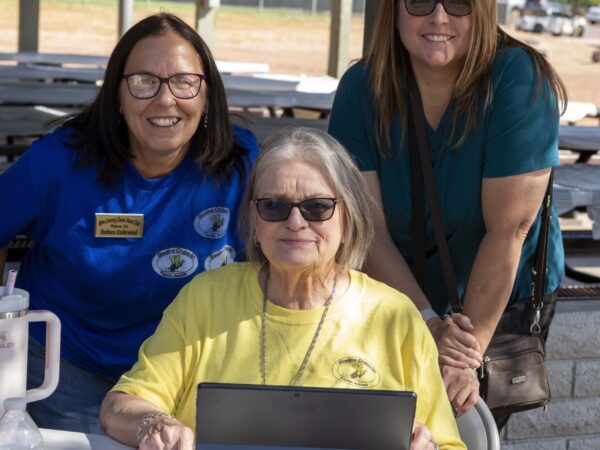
(373, 337)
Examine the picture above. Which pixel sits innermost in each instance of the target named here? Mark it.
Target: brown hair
(389, 70)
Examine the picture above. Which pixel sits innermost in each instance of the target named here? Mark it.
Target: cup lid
(17, 301)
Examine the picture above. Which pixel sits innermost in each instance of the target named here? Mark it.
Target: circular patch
(212, 222)
(175, 263)
(356, 371)
(219, 259)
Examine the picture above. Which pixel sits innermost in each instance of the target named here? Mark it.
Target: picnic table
(100, 61)
(23, 93)
(579, 185)
(57, 59)
(30, 72)
(580, 139)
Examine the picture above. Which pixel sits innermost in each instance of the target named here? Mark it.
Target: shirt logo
(5, 342)
(212, 222)
(175, 262)
(356, 371)
(219, 259)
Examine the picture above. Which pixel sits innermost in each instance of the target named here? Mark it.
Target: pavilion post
(125, 16)
(205, 20)
(29, 23)
(339, 34)
(371, 8)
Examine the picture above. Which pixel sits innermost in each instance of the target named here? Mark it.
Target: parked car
(554, 18)
(559, 24)
(593, 15)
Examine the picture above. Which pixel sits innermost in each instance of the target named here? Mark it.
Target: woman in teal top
(491, 110)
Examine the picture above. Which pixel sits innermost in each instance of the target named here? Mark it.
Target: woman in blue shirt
(491, 111)
(125, 202)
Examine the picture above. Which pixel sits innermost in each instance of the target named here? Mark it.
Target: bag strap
(540, 269)
(417, 114)
(418, 209)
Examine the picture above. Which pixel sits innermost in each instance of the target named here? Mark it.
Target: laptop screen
(255, 416)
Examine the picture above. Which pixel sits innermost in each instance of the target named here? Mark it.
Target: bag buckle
(535, 326)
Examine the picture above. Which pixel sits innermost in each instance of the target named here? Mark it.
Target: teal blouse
(518, 134)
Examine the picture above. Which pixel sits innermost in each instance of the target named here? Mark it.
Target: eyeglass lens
(181, 85)
(312, 209)
(426, 7)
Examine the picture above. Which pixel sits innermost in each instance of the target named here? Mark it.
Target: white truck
(509, 12)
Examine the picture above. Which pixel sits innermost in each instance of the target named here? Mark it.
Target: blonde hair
(389, 70)
(335, 164)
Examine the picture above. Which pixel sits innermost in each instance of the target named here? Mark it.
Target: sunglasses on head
(426, 7)
(312, 209)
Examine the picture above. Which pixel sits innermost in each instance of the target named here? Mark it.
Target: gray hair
(327, 155)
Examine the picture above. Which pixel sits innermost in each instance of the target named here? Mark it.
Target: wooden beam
(29, 23)
(125, 16)
(341, 14)
(371, 8)
(205, 20)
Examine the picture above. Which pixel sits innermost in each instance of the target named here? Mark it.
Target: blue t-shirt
(110, 292)
(518, 134)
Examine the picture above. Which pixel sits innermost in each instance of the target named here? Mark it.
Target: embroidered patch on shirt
(356, 371)
(219, 259)
(212, 223)
(119, 225)
(175, 262)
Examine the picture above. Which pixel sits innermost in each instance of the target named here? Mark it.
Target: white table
(579, 185)
(67, 440)
(576, 111)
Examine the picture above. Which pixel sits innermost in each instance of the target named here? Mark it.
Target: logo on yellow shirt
(356, 371)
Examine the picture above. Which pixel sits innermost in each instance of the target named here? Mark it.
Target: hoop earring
(205, 121)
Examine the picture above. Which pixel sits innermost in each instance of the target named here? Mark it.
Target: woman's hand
(462, 387)
(455, 342)
(422, 438)
(166, 433)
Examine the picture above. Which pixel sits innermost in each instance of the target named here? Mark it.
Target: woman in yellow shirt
(296, 314)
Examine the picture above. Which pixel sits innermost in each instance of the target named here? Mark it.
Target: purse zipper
(481, 368)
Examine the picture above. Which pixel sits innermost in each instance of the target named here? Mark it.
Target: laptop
(255, 417)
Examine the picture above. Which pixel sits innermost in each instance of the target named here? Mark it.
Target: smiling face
(160, 128)
(297, 244)
(435, 41)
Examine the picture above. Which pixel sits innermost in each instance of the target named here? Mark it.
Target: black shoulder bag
(513, 375)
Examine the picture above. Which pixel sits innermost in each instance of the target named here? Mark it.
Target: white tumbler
(14, 336)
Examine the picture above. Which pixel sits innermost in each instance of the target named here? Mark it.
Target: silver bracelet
(147, 418)
(428, 313)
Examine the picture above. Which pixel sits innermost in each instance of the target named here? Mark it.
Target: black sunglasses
(425, 7)
(312, 209)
